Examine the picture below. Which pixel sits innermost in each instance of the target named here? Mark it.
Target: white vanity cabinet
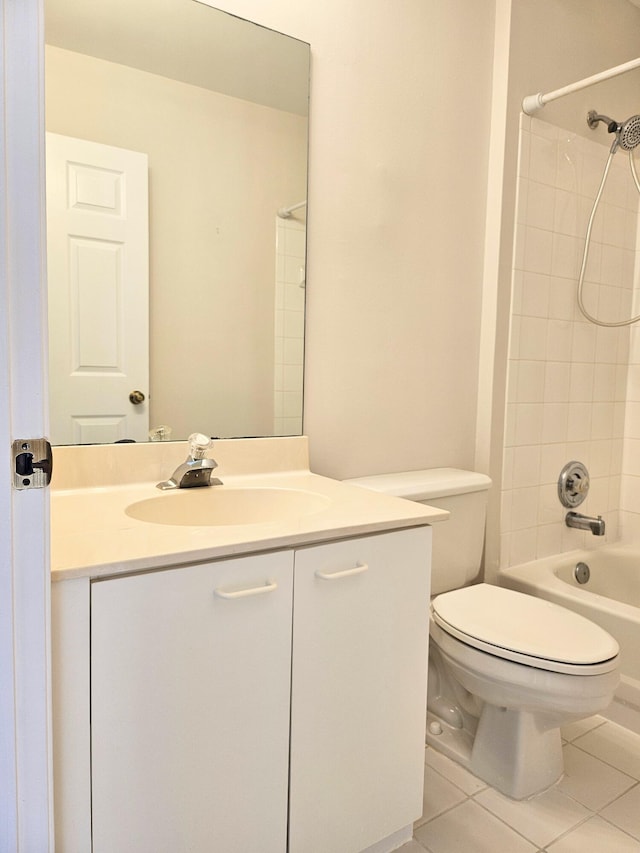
(358, 702)
(272, 702)
(190, 687)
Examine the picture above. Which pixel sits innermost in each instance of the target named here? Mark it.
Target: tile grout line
(634, 838)
(604, 761)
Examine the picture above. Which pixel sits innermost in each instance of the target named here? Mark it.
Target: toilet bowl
(506, 670)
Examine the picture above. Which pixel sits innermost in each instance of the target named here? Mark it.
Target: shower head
(627, 133)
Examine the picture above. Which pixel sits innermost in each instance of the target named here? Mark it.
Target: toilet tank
(458, 542)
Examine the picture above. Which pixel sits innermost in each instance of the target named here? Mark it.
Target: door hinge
(32, 463)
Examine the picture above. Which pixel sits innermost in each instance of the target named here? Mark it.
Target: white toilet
(506, 670)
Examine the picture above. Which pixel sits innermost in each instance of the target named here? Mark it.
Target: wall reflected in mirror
(218, 109)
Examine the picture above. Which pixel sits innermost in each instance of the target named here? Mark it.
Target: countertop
(92, 535)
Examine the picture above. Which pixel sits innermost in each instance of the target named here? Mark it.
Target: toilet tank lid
(426, 484)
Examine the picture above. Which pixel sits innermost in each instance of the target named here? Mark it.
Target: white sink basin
(223, 505)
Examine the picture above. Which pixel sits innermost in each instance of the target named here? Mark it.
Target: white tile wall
(573, 387)
(289, 325)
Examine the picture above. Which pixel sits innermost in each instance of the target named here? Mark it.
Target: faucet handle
(198, 445)
(578, 484)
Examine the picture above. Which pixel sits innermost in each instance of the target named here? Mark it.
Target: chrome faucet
(585, 522)
(196, 469)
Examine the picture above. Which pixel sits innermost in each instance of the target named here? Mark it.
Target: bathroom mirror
(212, 111)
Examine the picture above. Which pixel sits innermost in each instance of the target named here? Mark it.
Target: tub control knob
(435, 728)
(573, 484)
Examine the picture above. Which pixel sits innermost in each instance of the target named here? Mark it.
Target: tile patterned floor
(595, 806)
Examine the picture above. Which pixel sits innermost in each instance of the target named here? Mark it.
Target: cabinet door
(358, 690)
(190, 687)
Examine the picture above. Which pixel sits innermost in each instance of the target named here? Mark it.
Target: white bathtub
(611, 598)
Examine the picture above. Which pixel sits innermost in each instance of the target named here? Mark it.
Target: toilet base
(508, 751)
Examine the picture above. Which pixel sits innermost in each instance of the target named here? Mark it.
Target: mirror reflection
(176, 212)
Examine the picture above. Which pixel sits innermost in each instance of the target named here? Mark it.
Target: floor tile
(439, 795)
(594, 836)
(590, 781)
(614, 745)
(625, 812)
(601, 763)
(573, 730)
(468, 828)
(455, 773)
(541, 819)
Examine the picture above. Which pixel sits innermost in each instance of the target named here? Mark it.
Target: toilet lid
(522, 628)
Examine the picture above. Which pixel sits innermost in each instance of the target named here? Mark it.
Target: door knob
(136, 397)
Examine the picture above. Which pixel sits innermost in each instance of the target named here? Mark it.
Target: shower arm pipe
(533, 103)
(285, 212)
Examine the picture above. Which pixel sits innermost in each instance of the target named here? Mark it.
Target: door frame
(26, 811)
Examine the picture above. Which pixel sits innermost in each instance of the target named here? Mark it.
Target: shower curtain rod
(285, 212)
(533, 103)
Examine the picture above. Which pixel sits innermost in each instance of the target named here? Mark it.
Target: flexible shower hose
(587, 241)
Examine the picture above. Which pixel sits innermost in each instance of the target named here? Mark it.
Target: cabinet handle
(268, 586)
(344, 573)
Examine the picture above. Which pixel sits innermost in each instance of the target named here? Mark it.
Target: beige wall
(398, 142)
(556, 42)
(400, 130)
(219, 169)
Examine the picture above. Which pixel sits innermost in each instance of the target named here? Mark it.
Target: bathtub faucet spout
(585, 522)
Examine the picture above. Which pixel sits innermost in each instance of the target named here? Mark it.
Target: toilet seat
(524, 629)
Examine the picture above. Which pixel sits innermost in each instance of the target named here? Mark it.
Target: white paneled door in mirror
(98, 272)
